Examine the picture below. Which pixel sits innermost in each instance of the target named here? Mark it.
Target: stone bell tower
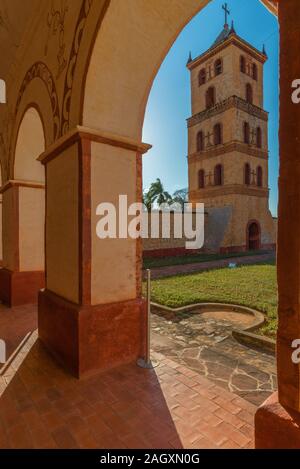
(228, 144)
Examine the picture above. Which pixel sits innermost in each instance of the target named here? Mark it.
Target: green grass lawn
(253, 286)
(193, 258)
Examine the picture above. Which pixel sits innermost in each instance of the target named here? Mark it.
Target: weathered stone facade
(228, 145)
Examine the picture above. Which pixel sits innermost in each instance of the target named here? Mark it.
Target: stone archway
(91, 315)
(24, 215)
(102, 278)
(96, 162)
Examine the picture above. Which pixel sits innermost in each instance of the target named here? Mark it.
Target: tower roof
(228, 35)
(224, 34)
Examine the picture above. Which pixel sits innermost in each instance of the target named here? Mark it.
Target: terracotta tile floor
(41, 406)
(15, 324)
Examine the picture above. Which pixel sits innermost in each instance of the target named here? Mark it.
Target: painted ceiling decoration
(15, 16)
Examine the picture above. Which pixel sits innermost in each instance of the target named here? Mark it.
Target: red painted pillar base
(20, 288)
(276, 427)
(88, 339)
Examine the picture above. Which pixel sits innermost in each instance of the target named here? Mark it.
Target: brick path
(172, 406)
(169, 271)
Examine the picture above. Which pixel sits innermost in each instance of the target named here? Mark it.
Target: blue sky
(169, 101)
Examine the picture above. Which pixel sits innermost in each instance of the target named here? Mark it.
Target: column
(278, 420)
(23, 218)
(1, 250)
(91, 314)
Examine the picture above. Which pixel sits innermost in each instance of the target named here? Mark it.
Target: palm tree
(157, 193)
(181, 197)
(147, 201)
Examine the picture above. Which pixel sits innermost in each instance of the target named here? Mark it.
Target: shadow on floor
(41, 406)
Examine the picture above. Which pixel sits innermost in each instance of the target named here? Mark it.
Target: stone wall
(225, 229)
(162, 246)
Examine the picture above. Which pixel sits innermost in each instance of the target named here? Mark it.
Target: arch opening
(24, 216)
(247, 174)
(210, 97)
(253, 236)
(29, 146)
(202, 77)
(249, 93)
(106, 111)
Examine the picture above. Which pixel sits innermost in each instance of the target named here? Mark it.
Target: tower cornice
(217, 150)
(232, 102)
(229, 189)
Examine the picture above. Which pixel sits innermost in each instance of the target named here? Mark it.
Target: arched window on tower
(258, 137)
(218, 137)
(254, 72)
(242, 64)
(249, 93)
(246, 131)
(202, 77)
(200, 141)
(210, 97)
(218, 67)
(259, 176)
(247, 174)
(218, 175)
(201, 178)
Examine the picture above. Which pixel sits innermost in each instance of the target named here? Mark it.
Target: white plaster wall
(113, 260)
(31, 229)
(62, 238)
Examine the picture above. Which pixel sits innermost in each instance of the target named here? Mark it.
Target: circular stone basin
(237, 319)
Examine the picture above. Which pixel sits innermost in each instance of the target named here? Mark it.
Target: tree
(147, 201)
(157, 194)
(181, 197)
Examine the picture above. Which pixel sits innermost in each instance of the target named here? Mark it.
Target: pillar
(23, 216)
(91, 314)
(1, 250)
(278, 420)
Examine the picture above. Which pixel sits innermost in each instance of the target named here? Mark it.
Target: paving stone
(248, 373)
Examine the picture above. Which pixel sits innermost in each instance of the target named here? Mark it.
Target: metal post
(148, 359)
(146, 362)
